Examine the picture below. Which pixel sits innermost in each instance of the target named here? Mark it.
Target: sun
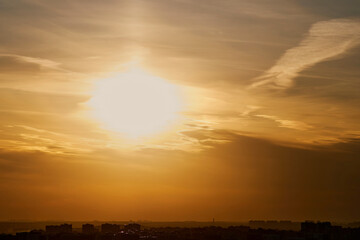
(136, 103)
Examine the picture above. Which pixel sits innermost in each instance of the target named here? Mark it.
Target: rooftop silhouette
(134, 231)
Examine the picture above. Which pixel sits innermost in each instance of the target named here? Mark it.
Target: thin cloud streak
(44, 63)
(325, 40)
(297, 125)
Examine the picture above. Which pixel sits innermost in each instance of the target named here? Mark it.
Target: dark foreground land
(133, 231)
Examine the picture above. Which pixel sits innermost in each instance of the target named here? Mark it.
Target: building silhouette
(110, 228)
(279, 225)
(88, 228)
(133, 231)
(134, 227)
(32, 235)
(312, 227)
(55, 229)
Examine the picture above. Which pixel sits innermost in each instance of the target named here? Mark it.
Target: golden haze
(235, 110)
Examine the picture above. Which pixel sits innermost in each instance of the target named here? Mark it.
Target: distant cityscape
(255, 230)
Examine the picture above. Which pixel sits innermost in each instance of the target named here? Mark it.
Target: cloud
(325, 40)
(334, 8)
(19, 62)
(40, 102)
(306, 183)
(237, 176)
(297, 125)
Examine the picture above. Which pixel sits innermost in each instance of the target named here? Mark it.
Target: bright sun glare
(135, 103)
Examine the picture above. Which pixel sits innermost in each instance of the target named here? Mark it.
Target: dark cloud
(250, 177)
(334, 80)
(332, 8)
(242, 179)
(307, 183)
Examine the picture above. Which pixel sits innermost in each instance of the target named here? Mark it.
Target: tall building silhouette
(88, 228)
(110, 228)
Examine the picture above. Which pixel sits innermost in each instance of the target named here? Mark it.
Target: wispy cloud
(43, 63)
(325, 40)
(297, 125)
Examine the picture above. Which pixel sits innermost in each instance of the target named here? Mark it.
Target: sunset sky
(172, 110)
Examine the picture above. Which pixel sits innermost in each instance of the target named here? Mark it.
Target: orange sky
(179, 110)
